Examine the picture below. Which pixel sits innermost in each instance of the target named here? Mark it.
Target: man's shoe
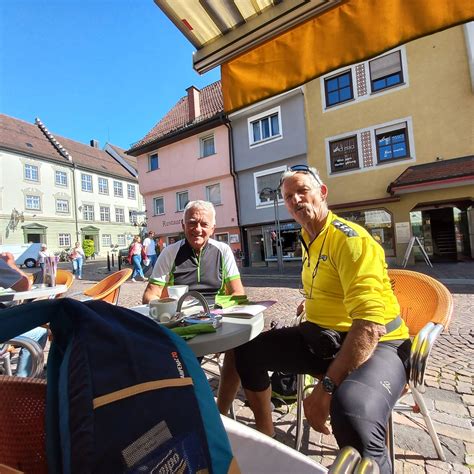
(133, 280)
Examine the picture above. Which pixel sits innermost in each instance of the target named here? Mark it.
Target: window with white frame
(153, 162)
(181, 200)
(159, 205)
(31, 172)
(103, 185)
(213, 193)
(265, 127)
(267, 184)
(386, 71)
(131, 191)
(224, 237)
(32, 202)
(118, 189)
(121, 240)
(86, 182)
(60, 178)
(106, 240)
(104, 213)
(88, 212)
(119, 214)
(338, 88)
(207, 147)
(392, 143)
(64, 240)
(62, 206)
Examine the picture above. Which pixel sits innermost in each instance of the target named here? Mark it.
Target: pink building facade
(186, 157)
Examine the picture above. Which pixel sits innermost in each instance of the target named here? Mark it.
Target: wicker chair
(22, 418)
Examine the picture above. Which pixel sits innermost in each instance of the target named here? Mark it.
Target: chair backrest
(108, 289)
(22, 418)
(422, 299)
(63, 277)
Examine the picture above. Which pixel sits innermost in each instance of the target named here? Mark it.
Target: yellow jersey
(345, 277)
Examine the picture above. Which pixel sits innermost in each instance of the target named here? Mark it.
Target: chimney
(194, 106)
(94, 143)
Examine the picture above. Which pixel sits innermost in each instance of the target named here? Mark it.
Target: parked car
(25, 254)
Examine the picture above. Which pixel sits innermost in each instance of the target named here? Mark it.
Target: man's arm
(235, 287)
(152, 292)
(10, 272)
(357, 347)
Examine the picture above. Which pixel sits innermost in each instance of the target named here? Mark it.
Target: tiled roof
(436, 171)
(131, 160)
(211, 104)
(27, 138)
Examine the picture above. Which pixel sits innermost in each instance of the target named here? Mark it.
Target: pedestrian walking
(43, 253)
(77, 257)
(136, 254)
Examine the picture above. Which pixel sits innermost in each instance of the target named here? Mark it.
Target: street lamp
(270, 193)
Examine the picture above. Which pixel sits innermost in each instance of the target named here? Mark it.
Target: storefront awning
(266, 47)
(437, 175)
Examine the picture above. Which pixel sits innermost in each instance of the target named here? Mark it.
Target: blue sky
(93, 69)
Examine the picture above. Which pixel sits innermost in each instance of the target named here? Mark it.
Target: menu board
(344, 155)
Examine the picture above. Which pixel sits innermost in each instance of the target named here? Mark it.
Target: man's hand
(316, 409)
(9, 259)
(23, 283)
(300, 308)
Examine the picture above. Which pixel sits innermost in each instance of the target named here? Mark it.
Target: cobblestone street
(449, 394)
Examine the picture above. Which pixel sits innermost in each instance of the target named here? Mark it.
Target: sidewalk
(449, 377)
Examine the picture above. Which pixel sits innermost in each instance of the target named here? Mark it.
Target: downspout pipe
(228, 124)
(74, 198)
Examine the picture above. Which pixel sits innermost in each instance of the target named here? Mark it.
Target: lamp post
(270, 193)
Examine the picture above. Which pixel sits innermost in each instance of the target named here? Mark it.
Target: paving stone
(464, 388)
(460, 468)
(469, 459)
(454, 432)
(463, 378)
(431, 383)
(409, 468)
(469, 447)
(442, 465)
(468, 399)
(448, 385)
(449, 407)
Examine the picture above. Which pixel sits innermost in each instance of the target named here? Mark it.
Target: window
(223, 237)
(62, 205)
(31, 173)
(106, 240)
(118, 189)
(105, 214)
(64, 240)
(33, 203)
(207, 146)
(132, 216)
(60, 178)
(119, 215)
(392, 143)
(181, 200)
(338, 89)
(131, 191)
(158, 206)
(121, 241)
(386, 71)
(153, 163)
(213, 193)
(265, 127)
(343, 154)
(88, 212)
(103, 186)
(86, 182)
(266, 184)
(379, 223)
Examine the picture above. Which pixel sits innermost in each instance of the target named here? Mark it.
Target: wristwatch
(328, 385)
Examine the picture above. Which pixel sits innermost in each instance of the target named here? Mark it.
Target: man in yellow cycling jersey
(353, 335)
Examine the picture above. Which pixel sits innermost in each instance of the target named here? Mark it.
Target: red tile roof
(442, 170)
(211, 104)
(20, 136)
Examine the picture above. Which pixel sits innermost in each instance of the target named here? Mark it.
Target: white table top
(36, 291)
(233, 333)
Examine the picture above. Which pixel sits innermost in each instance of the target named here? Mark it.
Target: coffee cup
(163, 309)
(176, 291)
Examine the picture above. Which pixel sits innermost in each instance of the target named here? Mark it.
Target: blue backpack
(124, 394)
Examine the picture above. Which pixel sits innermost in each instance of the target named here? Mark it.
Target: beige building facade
(393, 137)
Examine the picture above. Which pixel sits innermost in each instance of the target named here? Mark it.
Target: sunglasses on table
(303, 169)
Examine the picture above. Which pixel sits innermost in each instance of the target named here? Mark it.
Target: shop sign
(343, 154)
(168, 223)
(403, 232)
(234, 238)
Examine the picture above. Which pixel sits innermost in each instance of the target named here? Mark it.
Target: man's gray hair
(313, 174)
(201, 205)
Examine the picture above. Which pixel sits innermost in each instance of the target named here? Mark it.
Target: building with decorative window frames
(58, 191)
(393, 139)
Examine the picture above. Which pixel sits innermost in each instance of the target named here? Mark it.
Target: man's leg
(282, 350)
(228, 385)
(361, 406)
(40, 335)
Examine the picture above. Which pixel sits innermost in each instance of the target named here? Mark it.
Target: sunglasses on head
(303, 169)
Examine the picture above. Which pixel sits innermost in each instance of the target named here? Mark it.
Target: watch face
(328, 385)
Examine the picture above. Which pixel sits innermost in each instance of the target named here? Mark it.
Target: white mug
(176, 291)
(163, 309)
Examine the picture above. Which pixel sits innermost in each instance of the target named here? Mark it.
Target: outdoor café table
(232, 333)
(37, 291)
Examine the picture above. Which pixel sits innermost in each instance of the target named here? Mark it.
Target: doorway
(33, 238)
(256, 247)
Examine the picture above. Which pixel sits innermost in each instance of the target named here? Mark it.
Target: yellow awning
(352, 31)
